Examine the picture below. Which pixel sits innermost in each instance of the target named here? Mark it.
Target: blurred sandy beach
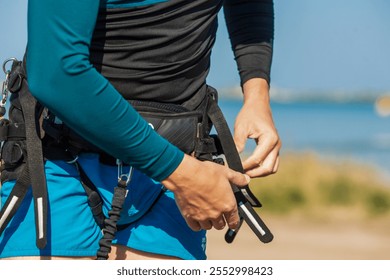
(317, 210)
(296, 239)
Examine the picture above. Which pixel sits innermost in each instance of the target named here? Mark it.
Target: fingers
(206, 224)
(266, 167)
(265, 158)
(239, 139)
(276, 166)
(206, 200)
(219, 223)
(265, 145)
(238, 178)
(193, 224)
(232, 219)
(228, 217)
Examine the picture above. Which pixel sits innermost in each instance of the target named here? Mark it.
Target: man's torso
(157, 50)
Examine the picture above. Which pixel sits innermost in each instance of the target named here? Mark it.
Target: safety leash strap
(110, 224)
(246, 200)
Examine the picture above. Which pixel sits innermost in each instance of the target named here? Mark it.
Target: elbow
(39, 82)
(75, 64)
(51, 76)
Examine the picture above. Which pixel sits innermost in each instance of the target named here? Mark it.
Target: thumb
(240, 140)
(238, 179)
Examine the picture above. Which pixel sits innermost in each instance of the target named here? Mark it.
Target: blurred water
(343, 131)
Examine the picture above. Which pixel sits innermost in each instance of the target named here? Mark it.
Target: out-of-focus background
(330, 78)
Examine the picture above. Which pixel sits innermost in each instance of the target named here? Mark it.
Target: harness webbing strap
(95, 202)
(11, 131)
(15, 198)
(245, 198)
(228, 146)
(35, 161)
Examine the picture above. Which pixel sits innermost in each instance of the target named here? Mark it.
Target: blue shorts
(72, 230)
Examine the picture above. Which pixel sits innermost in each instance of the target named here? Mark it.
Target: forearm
(251, 30)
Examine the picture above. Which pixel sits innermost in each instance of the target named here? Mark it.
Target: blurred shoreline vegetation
(287, 95)
(309, 186)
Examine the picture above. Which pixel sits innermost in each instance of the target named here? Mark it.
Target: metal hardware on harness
(75, 159)
(4, 88)
(13, 59)
(126, 178)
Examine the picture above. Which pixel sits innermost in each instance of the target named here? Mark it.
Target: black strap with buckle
(33, 172)
(246, 200)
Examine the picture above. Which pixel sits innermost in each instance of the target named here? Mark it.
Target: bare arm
(251, 29)
(255, 121)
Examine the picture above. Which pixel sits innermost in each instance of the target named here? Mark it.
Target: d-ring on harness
(4, 88)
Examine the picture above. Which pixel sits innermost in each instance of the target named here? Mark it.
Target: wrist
(179, 175)
(256, 90)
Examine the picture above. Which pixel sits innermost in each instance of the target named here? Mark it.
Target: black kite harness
(28, 138)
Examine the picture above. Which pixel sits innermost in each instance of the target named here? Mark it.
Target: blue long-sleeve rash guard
(61, 76)
(154, 52)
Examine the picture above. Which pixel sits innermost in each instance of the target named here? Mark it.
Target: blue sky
(323, 44)
(319, 44)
